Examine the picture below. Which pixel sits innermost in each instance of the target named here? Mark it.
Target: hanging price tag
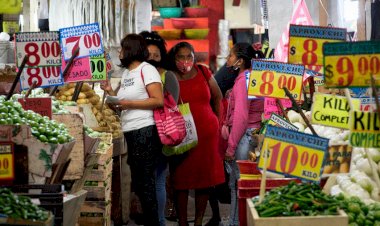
(365, 129)
(40, 105)
(331, 110)
(305, 44)
(293, 153)
(6, 161)
(268, 78)
(86, 37)
(43, 65)
(351, 64)
(87, 69)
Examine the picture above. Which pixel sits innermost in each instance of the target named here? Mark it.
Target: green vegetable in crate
(296, 200)
(44, 129)
(20, 207)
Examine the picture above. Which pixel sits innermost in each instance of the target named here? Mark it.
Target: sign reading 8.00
(43, 64)
(305, 44)
(293, 153)
(268, 78)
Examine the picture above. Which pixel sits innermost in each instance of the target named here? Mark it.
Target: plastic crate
(50, 197)
(251, 188)
(248, 167)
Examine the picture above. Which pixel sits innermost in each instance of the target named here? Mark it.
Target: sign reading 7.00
(305, 44)
(268, 78)
(351, 64)
(86, 37)
(293, 153)
(43, 64)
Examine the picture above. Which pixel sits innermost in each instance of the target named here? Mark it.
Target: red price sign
(87, 69)
(86, 37)
(268, 78)
(40, 105)
(6, 161)
(351, 64)
(43, 65)
(293, 153)
(305, 44)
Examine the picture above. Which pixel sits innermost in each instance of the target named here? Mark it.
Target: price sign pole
(375, 96)
(64, 74)
(299, 110)
(17, 79)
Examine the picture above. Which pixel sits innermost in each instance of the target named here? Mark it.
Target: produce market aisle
(223, 208)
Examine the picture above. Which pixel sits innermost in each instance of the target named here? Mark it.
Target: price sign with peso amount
(350, 64)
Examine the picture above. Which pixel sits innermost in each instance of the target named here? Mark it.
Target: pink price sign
(270, 106)
(86, 69)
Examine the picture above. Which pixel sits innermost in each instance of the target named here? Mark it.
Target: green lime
(43, 138)
(53, 140)
(3, 121)
(61, 139)
(42, 130)
(9, 121)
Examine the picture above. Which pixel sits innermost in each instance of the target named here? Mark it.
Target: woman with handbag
(243, 116)
(157, 58)
(137, 96)
(202, 167)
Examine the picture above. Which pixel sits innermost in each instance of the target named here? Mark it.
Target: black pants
(144, 146)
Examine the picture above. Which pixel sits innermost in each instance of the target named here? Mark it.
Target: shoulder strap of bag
(203, 73)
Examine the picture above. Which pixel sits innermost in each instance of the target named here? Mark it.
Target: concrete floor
(224, 213)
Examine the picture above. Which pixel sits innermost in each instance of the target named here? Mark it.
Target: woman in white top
(139, 93)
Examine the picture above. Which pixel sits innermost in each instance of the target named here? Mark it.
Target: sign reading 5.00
(86, 37)
(305, 44)
(351, 64)
(293, 153)
(268, 78)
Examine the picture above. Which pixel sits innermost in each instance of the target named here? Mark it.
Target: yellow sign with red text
(268, 78)
(6, 161)
(293, 153)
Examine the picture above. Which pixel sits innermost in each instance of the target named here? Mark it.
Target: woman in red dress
(201, 167)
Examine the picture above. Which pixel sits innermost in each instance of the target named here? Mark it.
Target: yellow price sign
(351, 64)
(305, 44)
(293, 153)
(6, 161)
(10, 27)
(365, 129)
(10, 6)
(331, 110)
(268, 78)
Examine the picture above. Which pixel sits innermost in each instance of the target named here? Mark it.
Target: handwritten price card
(331, 110)
(86, 37)
(268, 78)
(305, 44)
(365, 129)
(270, 106)
(87, 69)
(40, 105)
(351, 64)
(6, 161)
(43, 65)
(293, 153)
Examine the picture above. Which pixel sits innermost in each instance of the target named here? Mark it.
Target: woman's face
(232, 59)
(184, 60)
(154, 53)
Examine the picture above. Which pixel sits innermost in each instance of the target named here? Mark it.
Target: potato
(94, 110)
(94, 100)
(111, 118)
(81, 96)
(99, 117)
(86, 87)
(102, 124)
(71, 90)
(108, 112)
(67, 93)
(99, 106)
(71, 85)
(89, 93)
(69, 98)
(63, 98)
(82, 101)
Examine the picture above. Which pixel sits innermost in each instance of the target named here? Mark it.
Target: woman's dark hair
(133, 48)
(244, 51)
(153, 38)
(174, 50)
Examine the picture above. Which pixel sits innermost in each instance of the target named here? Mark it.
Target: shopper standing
(157, 57)
(140, 92)
(243, 116)
(202, 166)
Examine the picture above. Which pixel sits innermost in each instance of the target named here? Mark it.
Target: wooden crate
(253, 219)
(99, 192)
(74, 123)
(100, 174)
(99, 211)
(94, 221)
